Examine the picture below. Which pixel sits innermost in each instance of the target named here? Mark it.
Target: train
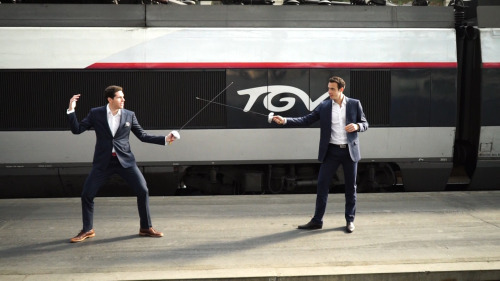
(427, 78)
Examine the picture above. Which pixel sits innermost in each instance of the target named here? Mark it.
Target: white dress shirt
(113, 121)
(339, 134)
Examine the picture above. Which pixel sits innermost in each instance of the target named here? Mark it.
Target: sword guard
(270, 117)
(176, 134)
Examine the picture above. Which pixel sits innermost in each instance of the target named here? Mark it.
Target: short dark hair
(111, 90)
(340, 82)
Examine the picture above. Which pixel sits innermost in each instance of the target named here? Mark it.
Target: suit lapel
(347, 110)
(104, 117)
(123, 117)
(326, 115)
(329, 111)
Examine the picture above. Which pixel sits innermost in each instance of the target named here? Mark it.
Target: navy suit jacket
(354, 114)
(97, 119)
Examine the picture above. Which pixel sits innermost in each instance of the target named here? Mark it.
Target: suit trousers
(335, 157)
(97, 178)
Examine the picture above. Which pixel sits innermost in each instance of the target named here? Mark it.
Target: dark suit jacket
(97, 119)
(354, 114)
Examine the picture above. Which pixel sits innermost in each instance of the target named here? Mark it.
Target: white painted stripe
(232, 146)
(490, 46)
(78, 48)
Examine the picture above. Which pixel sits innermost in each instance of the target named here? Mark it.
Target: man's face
(334, 92)
(118, 102)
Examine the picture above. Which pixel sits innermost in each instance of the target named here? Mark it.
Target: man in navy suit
(112, 125)
(341, 118)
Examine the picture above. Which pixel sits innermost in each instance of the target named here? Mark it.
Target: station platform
(399, 236)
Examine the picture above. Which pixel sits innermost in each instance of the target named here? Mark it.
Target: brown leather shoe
(151, 232)
(311, 225)
(82, 236)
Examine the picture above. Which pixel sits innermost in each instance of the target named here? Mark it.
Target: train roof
(482, 13)
(311, 16)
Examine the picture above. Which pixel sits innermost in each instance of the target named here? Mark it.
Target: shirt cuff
(70, 111)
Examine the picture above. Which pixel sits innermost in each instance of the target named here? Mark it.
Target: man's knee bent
(141, 191)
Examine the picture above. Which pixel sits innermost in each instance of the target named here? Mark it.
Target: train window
(373, 89)
(161, 99)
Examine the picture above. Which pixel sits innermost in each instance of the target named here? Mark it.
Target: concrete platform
(399, 236)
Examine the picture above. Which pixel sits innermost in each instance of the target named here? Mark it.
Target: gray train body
(428, 84)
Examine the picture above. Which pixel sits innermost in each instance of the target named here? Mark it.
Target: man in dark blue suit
(112, 125)
(341, 118)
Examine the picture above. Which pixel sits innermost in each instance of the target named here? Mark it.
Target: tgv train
(427, 80)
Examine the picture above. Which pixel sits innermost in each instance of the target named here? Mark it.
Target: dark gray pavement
(399, 236)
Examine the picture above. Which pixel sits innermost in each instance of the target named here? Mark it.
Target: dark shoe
(82, 236)
(311, 225)
(350, 227)
(151, 232)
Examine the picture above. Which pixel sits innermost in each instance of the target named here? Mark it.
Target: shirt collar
(344, 100)
(108, 110)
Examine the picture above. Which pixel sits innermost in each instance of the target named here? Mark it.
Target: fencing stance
(341, 118)
(112, 125)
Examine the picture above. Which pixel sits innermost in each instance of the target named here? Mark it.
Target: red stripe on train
(491, 64)
(184, 65)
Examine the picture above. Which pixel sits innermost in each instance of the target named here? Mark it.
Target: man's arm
(299, 121)
(72, 103)
(145, 137)
(76, 127)
(362, 123)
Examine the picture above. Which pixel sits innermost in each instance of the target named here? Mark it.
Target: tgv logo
(272, 91)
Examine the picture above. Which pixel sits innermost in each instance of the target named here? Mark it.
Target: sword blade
(206, 106)
(227, 105)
